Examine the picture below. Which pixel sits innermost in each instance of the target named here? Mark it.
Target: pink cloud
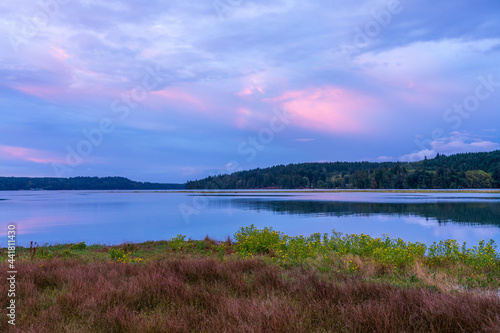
(27, 154)
(254, 85)
(248, 91)
(245, 92)
(44, 92)
(179, 96)
(242, 117)
(328, 109)
(246, 118)
(69, 94)
(59, 54)
(67, 81)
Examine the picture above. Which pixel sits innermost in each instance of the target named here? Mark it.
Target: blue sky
(171, 91)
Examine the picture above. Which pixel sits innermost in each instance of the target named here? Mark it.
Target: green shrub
(79, 246)
(393, 252)
(178, 242)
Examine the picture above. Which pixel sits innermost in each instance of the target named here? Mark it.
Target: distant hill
(80, 183)
(460, 171)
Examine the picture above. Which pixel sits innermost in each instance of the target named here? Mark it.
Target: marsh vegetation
(260, 281)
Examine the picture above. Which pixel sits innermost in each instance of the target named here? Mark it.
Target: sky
(171, 91)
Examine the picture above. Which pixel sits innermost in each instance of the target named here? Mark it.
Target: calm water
(116, 217)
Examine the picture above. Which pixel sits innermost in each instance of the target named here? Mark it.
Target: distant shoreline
(258, 191)
(344, 191)
(264, 191)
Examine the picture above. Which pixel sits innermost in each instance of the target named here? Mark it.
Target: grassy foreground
(263, 281)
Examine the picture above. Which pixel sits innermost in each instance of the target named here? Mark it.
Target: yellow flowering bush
(79, 246)
(393, 252)
(44, 253)
(479, 256)
(178, 242)
(122, 256)
(250, 240)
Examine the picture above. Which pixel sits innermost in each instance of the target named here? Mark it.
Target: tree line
(80, 183)
(459, 171)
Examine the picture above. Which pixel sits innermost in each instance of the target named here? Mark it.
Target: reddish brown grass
(206, 295)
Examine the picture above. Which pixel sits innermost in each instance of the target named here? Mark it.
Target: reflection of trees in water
(462, 212)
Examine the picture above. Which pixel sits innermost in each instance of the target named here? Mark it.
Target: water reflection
(114, 218)
(471, 213)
